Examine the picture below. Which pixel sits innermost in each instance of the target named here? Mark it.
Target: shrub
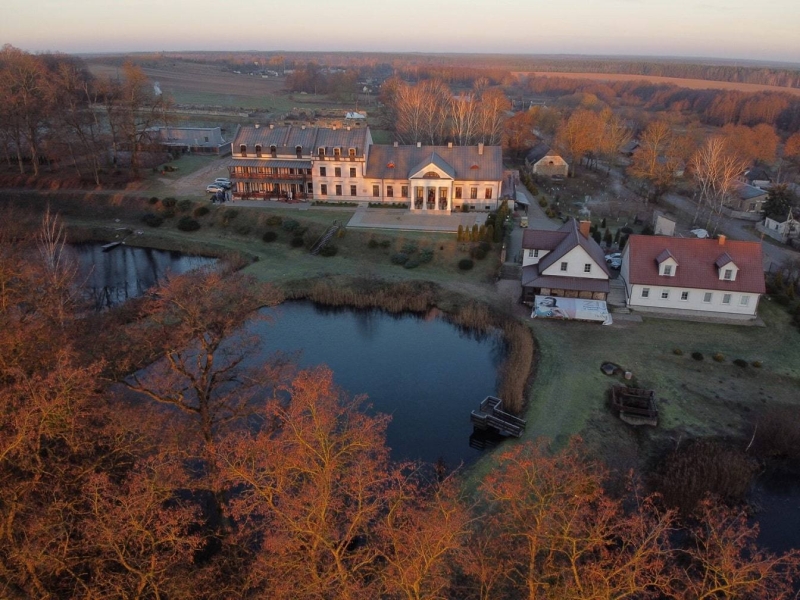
(412, 263)
(778, 433)
(152, 220)
(153, 200)
(290, 225)
(478, 253)
(243, 230)
(385, 243)
(274, 220)
(372, 243)
(627, 230)
(425, 256)
(188, 224)
(398, 258)
(168, 213)
(409, 248)
(329, 250)
(230, 214)
(296, 242)
(719, 357)
(169, 202)
(201, 211)
(697, 355)
(465, 264)
(740, 362)
(300, 231)
(756, 364)
(185, 205)
(269, 236)
(677, 352)
(341, 232)
(542, 202)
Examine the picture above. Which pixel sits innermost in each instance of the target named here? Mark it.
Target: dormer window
(298, 151)
(667, 265)
(321, 152)
(243, 149)
(273, 150)
(352, 152)
(337, 152)
(668, 270)
(728, 276)
(726, 268)
(258, 150)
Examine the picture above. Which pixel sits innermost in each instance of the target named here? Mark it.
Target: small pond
(124, 272)
(425, 372)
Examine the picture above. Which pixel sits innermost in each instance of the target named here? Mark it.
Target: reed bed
(416, 297)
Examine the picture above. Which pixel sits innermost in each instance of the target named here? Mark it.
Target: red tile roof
(697, 263)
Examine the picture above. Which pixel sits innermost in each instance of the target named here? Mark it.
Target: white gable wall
(576, 259)
(528, 258)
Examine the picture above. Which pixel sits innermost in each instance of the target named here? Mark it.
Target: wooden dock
(635, 406)
(491, 415)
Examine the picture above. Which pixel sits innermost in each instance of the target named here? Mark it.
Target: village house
(342, 164)
(747, 198)
(563, 263)
(544, 161)
(693, 277)
(784, 229)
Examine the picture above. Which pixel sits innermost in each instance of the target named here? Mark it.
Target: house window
(587, 268)
(535, 254)
(645, 292)
(726, 298)
(243, 150)
(337, 171)
(564, 266)
(376, 191)
(273, 150)
(389, 191)
(338, 190)
(665, 294)
(298, 150)
(337, 152)
(323, 189)
(458, 193)
(352, 152)
(488, 193)
(310, 188)
(667, 269)
(321, 152)
(744, 300)
(352, 190)
(418, 191)
(323, 172)
(728, 274)
(707, 297)
(473, 193)
(352, 171)
(404, 191)
(532, 253)
(684, 296)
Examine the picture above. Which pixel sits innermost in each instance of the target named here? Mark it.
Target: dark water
(776, 497)
(426, 373)
(127, 271)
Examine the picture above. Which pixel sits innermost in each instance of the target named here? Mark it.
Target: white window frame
(587, 268)
(645, 292)
(708, 297)
(684, 296)
(665, 294)
(668, 270)
(726, 299)
(728, 275)
(535, 254)
(564, 266)
(532, 253)
(744, 301)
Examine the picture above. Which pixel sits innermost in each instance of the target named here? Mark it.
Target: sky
(733, 29)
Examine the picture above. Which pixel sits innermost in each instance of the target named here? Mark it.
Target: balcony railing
(276, 176)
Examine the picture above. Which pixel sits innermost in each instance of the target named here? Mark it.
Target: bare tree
(464, 118)
(716, 170)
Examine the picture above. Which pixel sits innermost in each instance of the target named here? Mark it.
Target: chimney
(721, 239)
(449, 144)
(348, 128)
(395, 144)
(257, 125)
(302, 127)
(585, 228)
(480, 148)
(419, 144)
(272, 126)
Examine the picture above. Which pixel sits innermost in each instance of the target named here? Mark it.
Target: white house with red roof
(694, 277)
(564, 263)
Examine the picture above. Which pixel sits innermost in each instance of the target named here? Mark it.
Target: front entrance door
(431, 198)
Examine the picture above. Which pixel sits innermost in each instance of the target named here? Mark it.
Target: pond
(426, 373)
(110, 278)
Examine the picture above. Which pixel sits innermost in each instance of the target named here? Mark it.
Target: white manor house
(343, 165)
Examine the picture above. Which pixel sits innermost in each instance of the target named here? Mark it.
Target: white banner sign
(578, 309)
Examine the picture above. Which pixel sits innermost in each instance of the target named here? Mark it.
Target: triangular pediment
(434, 167)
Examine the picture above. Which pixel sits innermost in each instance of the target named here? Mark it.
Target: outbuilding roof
(698, 263)
(310, 139)
(561, 241)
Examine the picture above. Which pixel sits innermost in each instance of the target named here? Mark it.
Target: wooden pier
(491, 415)
(635, 406)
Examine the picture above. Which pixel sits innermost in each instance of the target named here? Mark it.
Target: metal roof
(531, 278)
(274, 163)
(310, 139)
(398, 162)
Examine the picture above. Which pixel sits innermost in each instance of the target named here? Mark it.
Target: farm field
(694, 84)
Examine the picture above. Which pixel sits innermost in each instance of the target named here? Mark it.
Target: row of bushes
(342, 203)
(719, 357)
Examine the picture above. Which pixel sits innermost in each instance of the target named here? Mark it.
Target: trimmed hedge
(465, 264)
(153, 220)
(188, 224)
(269, 236)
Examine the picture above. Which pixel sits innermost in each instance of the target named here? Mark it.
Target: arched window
(258, 150)
(431, 175)
(337, 152)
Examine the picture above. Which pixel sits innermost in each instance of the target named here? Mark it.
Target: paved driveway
(536, 220)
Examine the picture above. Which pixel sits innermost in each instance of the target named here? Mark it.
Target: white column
(450, 198)
(425, 198)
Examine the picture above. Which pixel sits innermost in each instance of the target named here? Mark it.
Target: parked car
(614, 263)
(224, 182)
(214, 188)
(610, 257)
